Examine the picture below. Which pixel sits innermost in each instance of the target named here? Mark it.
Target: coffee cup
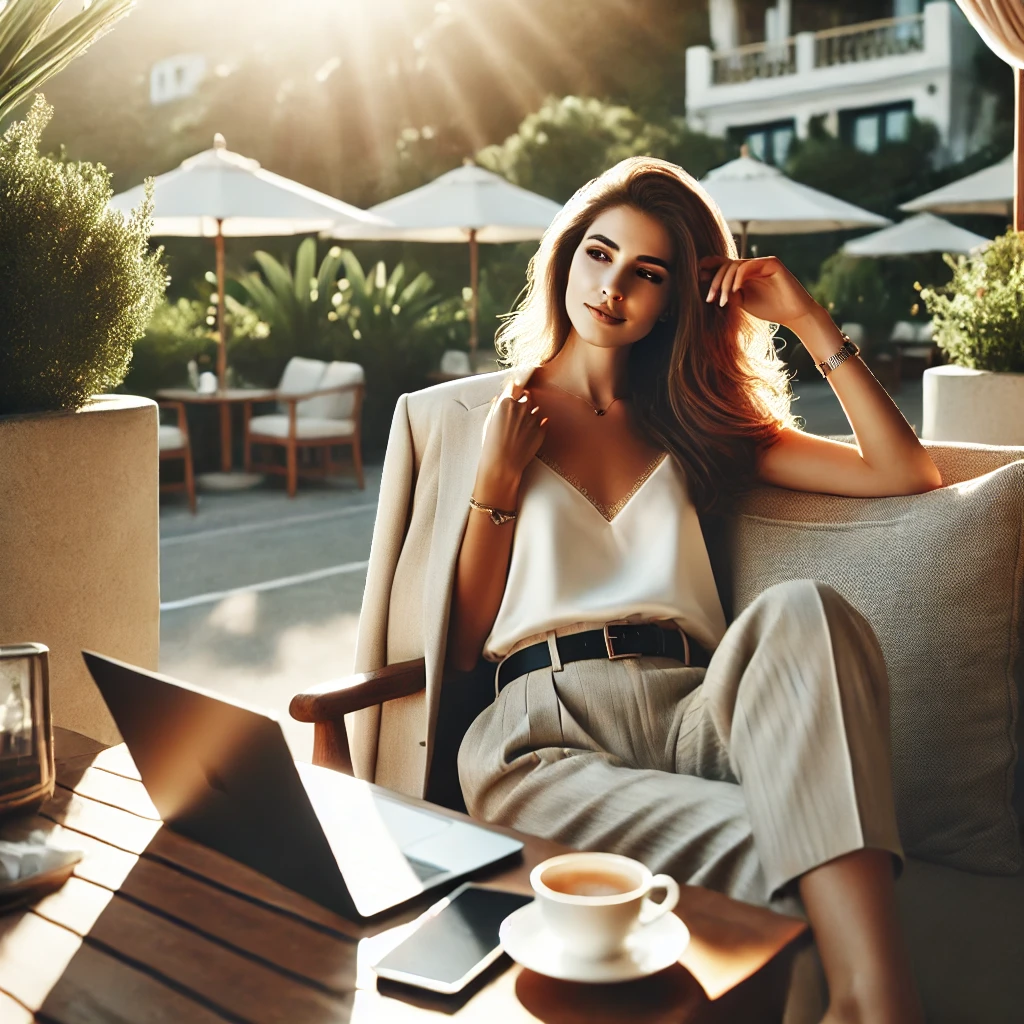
(592, 901)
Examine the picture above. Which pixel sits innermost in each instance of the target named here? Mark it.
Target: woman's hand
(512, 437)
(763, 287)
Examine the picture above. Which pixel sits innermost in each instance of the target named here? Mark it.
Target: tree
(570, 140)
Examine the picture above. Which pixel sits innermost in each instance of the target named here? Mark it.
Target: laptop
(221, 773)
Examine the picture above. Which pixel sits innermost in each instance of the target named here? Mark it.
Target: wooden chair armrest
(326, 705)
(178, 408)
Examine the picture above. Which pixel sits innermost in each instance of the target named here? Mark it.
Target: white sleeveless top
(574, 560)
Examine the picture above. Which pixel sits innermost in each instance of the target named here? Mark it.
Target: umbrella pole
(743, 239)
(1018, 150)
(222, 350)
(474, 287)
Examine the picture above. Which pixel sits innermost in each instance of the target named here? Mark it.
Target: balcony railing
(757, 60)
(871, 40)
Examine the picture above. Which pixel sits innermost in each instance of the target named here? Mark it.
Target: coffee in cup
(592, 901)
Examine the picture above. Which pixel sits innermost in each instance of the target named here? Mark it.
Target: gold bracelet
(846, 351)
(498, 516)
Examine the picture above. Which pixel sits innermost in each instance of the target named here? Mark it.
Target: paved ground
(260, 595)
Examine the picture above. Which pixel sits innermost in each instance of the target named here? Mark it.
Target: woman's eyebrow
(640, 259)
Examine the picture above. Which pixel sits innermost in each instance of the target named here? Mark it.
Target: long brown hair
(707, 384)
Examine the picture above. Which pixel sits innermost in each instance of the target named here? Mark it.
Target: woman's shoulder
(470, 392)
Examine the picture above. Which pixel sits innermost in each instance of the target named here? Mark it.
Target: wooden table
(224, 399)
(156, 928)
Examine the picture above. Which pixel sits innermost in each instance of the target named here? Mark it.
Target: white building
(865, 79)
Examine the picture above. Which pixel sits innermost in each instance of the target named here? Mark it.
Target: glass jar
(26, 734)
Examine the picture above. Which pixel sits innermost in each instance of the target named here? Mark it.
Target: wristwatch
(847, 349)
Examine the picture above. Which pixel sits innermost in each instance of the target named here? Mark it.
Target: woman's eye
(597, 254)
(650, 276)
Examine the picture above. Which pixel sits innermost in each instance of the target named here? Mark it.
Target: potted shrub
(79, 503)
(978, 324)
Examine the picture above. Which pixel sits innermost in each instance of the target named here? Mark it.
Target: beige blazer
(427, 480)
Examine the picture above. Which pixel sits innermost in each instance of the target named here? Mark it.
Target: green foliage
(78, 283)
(977, 316)
(32, 52)
(852, 288)
(184, 330)
(396, 329)
(570, 140)
(296, 305)
(876, 181)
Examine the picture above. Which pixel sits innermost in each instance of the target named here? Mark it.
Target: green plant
(396, 329)
(184, 330)
(852, 288)
(31, 51)
(977, 316)
(78, 283)
(295, 306)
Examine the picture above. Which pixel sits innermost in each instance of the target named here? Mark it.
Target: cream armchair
(319, 408)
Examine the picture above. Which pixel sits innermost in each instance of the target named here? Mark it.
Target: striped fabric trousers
(740, 777)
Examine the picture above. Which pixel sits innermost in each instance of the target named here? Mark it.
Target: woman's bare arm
(512, 436)
(888, 458)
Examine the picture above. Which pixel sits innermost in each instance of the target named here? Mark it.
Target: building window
(176, 77)
(872, 127)
(767, 142)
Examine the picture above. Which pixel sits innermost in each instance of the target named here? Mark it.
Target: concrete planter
(79, 545)
(978, 406)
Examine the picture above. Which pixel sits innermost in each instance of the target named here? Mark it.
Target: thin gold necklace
(597, 412)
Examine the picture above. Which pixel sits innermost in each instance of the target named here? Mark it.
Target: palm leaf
(354, 271)
(328, 275)
(29, 55)
(305, 266)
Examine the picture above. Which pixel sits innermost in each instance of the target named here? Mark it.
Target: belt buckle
(609, 641)
(686, 646)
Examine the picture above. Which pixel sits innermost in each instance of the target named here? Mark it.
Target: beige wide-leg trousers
(740, 777)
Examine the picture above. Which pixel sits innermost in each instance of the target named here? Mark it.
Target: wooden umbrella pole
(222, 350)
(743, 239)
(474, 287)
(1018, 150)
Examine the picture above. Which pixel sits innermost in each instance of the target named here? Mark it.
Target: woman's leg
(795, 705)
(852, 909)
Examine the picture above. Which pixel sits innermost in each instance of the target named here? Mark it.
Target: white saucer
(649, 948)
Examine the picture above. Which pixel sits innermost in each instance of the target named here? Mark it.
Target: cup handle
(651, 911)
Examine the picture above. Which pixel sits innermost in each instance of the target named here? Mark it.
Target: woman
(648, 405)
(753, 758)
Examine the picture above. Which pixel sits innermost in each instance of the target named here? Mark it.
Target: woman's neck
(598, 375)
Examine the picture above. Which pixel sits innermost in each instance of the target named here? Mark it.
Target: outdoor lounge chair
(319, 407)
(926, 568)
(174, 444)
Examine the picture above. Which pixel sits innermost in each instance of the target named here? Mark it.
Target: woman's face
(620, 278)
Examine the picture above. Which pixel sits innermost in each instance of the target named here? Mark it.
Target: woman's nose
(612, 290)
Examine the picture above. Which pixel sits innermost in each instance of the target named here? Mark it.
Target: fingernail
(711, 295)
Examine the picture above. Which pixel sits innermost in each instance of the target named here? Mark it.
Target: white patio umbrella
(757, 198)
(922, 233)
(468, 204)
(986, 191)
(218, 194)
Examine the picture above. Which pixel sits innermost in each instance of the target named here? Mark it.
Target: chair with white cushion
(174, 444)
(319, 407)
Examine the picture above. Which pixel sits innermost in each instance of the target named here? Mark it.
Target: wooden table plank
(12, 1012)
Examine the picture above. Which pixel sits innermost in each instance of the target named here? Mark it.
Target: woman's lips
(601, 316)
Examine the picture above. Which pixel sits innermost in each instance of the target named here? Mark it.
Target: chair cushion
(334, 407)
(171, 438)
(938, 575)
(300, 375)
(276, 425)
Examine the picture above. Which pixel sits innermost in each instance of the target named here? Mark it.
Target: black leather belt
(643, 640)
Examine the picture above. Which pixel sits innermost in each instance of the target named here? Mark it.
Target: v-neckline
(608, 512)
